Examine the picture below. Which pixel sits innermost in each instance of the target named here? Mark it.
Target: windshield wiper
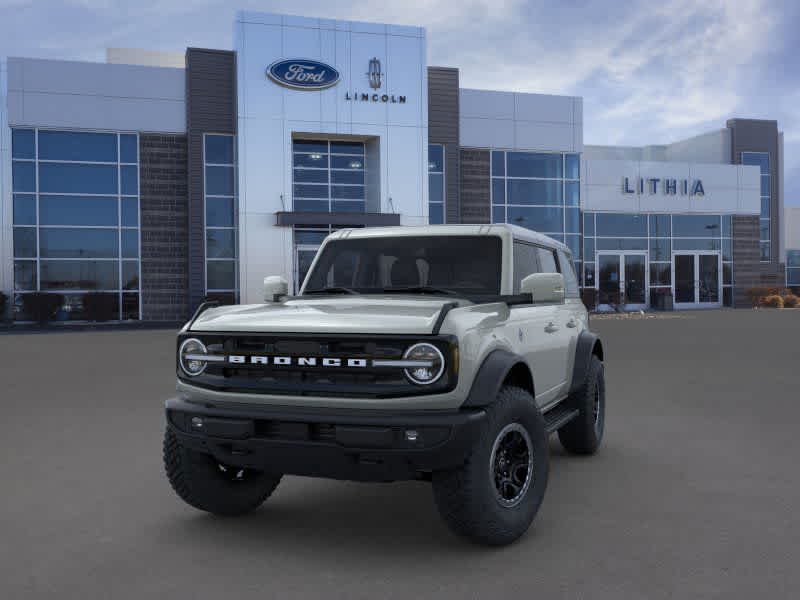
(421, 289)
(331, 290)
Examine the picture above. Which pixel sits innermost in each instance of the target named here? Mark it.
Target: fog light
(411, 435)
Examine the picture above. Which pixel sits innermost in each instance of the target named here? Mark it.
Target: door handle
(572, 322)
(551, 327)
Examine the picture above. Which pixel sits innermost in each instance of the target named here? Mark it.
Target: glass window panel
(727, 297)
(660, 274)
(77, 145)
(23, 143)
(310, 191)
(765, 185)
(310, 146)
(311, 205)
(436, 187)
(588, 274)
(436, 213)
(130, 243)
(348, 206)
(547, 260)
(25, 275)
(77, 210)
(763, 229)
(696, 225)
(219, 181)
(660, 249)
(573, 166)
(572, 220)
(24, 209)
(588, 224)
(727, 226)
(23, 176)
(498, 163)
(765, 208)
(129, 180)
(311, 238)
(625, 225)
(77, 179)
(315, 160)
(25, 242)
(219, 212)
(660, 226)
(727, 273)
(588, 249)
(572, 190)
(532, 164)
(79, 275)
(527, 191)
(219, 149)
(543, 219)
(220, 243)
(498, 191)
(526, 262)
(347, 148)
(130, 274)
(621, 243)
(311, 175)
(574, 243)
(221, 275)
(128, 148)
(759, 159)
(559, 237)
(435, 158)
(342, 162)
(357, 177)
(695, 244)
(766, 251)
(56, 242)
(130, 307)
(347, 192)
(793, 277)
(498, 214)
(793, 258)
(130, 212)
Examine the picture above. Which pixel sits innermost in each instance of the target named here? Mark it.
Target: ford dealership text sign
(667, 186)
(303, 74)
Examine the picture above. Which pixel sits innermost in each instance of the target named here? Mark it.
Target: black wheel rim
(511, 464)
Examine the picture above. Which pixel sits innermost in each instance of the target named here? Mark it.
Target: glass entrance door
(622, 280)
(697, 279)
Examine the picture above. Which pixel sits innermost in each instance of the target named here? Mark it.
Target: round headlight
(190, 357)
(431, 363)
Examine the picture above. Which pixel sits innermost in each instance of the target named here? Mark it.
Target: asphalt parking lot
(695, 493)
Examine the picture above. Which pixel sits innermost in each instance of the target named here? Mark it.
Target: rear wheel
(584, 433)
(206, 484)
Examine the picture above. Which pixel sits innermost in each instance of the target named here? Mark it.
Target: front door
(622, 280)
(697, 279)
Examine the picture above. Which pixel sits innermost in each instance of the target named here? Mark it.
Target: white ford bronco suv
(443, 353)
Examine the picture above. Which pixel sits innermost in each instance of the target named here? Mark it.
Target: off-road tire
(201, 482)
(584, 433)
(467, 497)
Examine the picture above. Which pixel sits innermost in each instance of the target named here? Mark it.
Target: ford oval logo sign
(303, 74)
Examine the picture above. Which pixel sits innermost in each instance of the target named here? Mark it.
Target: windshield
(463, 265)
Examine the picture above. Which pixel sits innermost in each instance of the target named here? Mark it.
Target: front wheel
(493, 497)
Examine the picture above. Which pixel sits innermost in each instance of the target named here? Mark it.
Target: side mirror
(275, 286)
(544, 287)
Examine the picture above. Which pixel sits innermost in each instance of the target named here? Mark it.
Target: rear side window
(570, 279)
(547, 260)
(525, 262)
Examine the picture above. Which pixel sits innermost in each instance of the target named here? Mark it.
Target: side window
(525, 262)
(570, 279)
(547, 260)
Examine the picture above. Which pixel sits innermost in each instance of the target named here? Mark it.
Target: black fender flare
(588, 345)
(490, 377)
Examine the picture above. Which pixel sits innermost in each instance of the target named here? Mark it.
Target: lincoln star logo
(374, 74)
(303, 74)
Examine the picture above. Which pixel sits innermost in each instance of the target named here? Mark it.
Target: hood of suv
(339, 314)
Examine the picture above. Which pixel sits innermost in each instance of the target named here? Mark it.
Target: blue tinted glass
(574, 243)
(572, 189)
(696, 225)
(543, 219)
(530, 164)
(219, 181)
(130, 275)
(348, 206)
(77, 210)
(24, 275)
(765, 208)
(726, 225)
(527, 191)
(25, 242)
(219, 212)
(573, 166)
(74, 145)
(660, 226)
(78, 179)
(219, 149)
(130, 243)
(220, 243)
(309, 146)
(78, 243)
(311, 205)
(23, 144)
(347, 192)
(220, 274)
(128, 149)
(660, 249)
(24, 209)
(626, 225)
(559, 237)
(436, 187)
(498, 163)
(498, 191)
(695, 244)
(347, 148)
(588, 224)
(727, 249)
(129, 180)
(763, 229)
(572, 220)
(436, 214)
(793, 258)
(759, 159)
(765, 250)
(793, 277)
(588, 274)
(765, 185)
(320, 161)
(660, 274)
(314, 175)
(130, 212)
(310, 191)
(357, 177)
(313, 238)
(588, 249)
(337, 162)
(435, 158)
(80, 275)
(621, 244)
(498, 214)
(23, 176)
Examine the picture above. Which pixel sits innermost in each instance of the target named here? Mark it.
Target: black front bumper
(358, 445)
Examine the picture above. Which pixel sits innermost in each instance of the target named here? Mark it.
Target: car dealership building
(163, 179)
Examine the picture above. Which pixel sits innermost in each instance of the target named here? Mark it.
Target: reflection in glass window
(696, 225)
(78, 146)
(326, 174)
(621, 225)
(762, 160)
(219, 154)
(436, 184)
(533, 164)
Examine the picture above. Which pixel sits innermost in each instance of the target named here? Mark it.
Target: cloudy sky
(649, 72)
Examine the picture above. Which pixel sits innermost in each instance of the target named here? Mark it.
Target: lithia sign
(667, 186)
(306, 74)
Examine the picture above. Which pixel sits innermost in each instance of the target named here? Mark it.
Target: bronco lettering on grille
(300, 361)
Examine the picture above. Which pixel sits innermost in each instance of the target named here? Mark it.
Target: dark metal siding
(210, 108)
(475, 199)
(443, 115)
